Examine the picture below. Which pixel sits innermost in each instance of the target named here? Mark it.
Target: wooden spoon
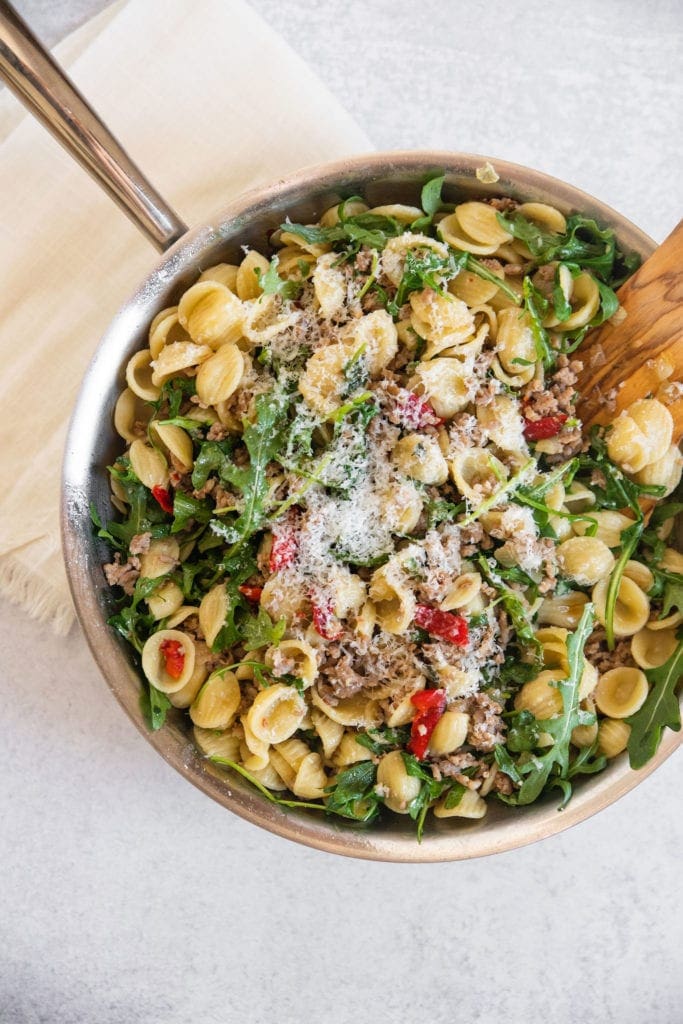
(643, 354)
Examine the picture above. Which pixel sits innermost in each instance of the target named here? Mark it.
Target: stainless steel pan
(92, 443)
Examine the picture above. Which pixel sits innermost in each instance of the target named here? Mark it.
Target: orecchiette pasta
(366, 553)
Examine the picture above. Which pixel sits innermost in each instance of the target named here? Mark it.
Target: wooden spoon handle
(626, 361)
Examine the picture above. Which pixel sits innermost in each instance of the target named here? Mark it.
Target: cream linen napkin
(209, 101)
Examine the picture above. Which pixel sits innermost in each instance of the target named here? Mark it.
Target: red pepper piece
(446, 625)
(431, 705)
(174, 657)
(283, 552)
(547, 426)
(415, 412)
(251, 593)
(163, 496)
(325, 621)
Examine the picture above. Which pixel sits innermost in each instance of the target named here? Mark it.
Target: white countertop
(125, 894)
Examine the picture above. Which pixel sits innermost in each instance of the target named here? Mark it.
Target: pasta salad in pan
(362, 537)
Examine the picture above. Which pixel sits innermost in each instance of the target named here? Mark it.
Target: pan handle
(47, 92)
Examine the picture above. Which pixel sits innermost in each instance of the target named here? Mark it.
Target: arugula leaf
(430, 197)
(561, 306)
(505, 488)
(609, 303)
(368, 229)
(673, 593)
(174, 392)
(260, 631)
(439, 510)
(517, 610)
(428, 269)
(430, 791)
(144, 514)
(236, 568)
(536, 306)
(211, 458)
(663, 512)
(379, 741)
(475, 267)
(660, 710)
(630, 538)
(583, 243)
(523, 730)
(553, 765)
(588, 761)
(506, 764)
(263, 439)
(267, 793)
(133, 625)
(355, 372)
(154, 704)
(353, 794)
(186, 509)
(273, 284)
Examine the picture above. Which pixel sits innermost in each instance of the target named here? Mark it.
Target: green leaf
(516, 608)
(583, 243)
(260, 631)
(424, 268)
(353, 794)
(355, 372)
(630, 538)
(174, 392)
(154, 704)
(211, 458)
(486, 274)
(588, 761)
(438, 510)
(660, 710)
(536, 307)
(430, 197)
(609, 303)
(267, 793)
(673, 594)
(273, 284)
(506, 764)
(666, 511)
(541, 770)
(431, 790)
(263, 439)
(368, 229)
(561, 306)
(379, 741)
(187, 509)
(523, 729)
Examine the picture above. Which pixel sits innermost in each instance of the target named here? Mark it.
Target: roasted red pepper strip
(251, 593)
(174, 657)
(414, 412)
(163, 496)
(283, 552)
(431, 705)
(446, 625)
(547, 426)
(325, 621)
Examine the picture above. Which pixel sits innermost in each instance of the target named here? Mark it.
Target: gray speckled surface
(126, 895)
